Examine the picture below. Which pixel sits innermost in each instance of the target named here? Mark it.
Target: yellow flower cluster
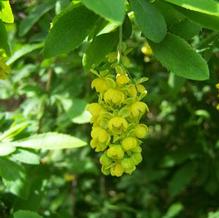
(217, 86)
(117, 131)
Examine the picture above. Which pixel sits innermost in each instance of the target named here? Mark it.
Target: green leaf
(69, 30)
(181, 178)
(4, 38)
(99, 48)
(6, 14)
(213, 214)
(186, 29)
(210, 7)
(4, 69)
(109, 9)
(6, 149)
(14, 130)
(26, 214)
(173, 210)
(14, 178)
(149, 19)
(51, 141)
(26, 157)
(171, 15)
(176, 55)
(26, 49)
(205, 20)
(34, 16)
(9, 170)
(126, 28)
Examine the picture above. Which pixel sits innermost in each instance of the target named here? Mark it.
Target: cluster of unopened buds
(117, 131)
(217, 86)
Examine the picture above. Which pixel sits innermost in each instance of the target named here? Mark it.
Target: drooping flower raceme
(117, 131)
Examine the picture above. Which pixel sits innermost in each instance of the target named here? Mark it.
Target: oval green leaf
(26, 214)
(50, 141)
(4, 38)
(205, 20)
(176, 55)
(210, 7)
(99, 48)
(69, 30)
(6, 14)
(149, 19)
(34, 16)
(109, 9)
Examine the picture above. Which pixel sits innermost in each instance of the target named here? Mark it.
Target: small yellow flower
(118, 125)
(122, 79)
(115, 152)
(117, 170)
(137, 149)
(132, 91)
(136, 158)
(128, 165)
(111, 57)
(146, 50)
(69, 177)
(100, 84)
(95, 109)
(100, 135)
(95, 144)
(137, 109)
(114, 96)
(141, 131)
(129, 143)
(141, 89)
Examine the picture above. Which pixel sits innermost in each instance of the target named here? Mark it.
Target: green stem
(119, 48)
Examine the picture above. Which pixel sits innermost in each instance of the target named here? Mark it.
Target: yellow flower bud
(118, 125)
(141, 89)
(95, 109)
(100, 139)
(117, 170)
(137, 149)
(136, 158)
(100, 84)
(100, 135)
(129, 143)
(122, 79)
(146, 49)
(112, 57)
(141, 131)
(114, 96)
(138, 108)
(132, 90)
(115, 152)
(95, 144)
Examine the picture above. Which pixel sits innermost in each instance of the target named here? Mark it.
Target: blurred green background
(179, 175)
